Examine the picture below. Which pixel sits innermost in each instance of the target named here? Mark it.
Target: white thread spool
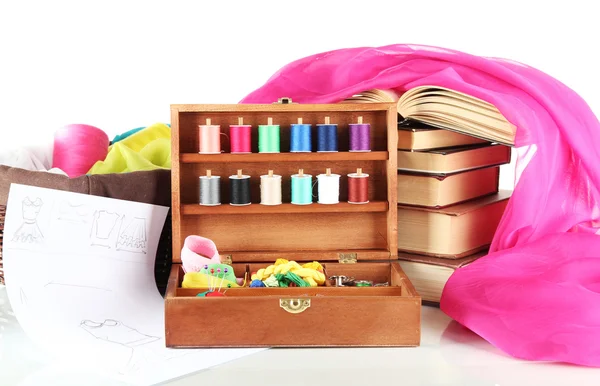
(270, 189)
(329, 188)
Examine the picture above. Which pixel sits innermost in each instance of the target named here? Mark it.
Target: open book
(445, 109)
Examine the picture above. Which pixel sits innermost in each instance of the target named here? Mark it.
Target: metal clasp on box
(294, 306)
(347, 258)
(284, 101)
(226, 259)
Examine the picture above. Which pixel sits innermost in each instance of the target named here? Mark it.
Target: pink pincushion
(198, 251)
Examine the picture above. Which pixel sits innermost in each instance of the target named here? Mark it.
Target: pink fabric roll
(78, 147)
(536, 295)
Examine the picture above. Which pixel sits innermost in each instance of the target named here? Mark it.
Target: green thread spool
(268, 137)
(301, 188)
(363, 283)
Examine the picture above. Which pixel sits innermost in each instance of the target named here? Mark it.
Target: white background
(119, 65)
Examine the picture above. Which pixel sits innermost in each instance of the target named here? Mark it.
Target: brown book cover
(440, 191)
(453, 159)
(430, 274)
(448, 263)
(452, 232)
(425, 138)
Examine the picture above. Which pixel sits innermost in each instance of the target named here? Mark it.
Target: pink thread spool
(77, 147)
(209, 138)
(240, 137)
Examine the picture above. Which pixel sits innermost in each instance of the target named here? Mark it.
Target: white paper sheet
(79, 273)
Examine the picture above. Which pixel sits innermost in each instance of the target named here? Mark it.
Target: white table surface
(448, 355)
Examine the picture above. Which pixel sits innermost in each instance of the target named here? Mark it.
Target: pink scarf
(536, 295)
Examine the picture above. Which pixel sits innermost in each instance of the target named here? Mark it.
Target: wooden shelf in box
(285, 157)
(342, 207)
(190, 192)
(253, 237)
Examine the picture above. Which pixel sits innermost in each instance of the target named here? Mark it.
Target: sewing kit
(284, 222)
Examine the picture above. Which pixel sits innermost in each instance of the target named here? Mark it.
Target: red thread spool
(240, 137)
(358, 187)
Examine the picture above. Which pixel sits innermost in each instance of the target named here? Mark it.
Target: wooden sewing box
(354, 240)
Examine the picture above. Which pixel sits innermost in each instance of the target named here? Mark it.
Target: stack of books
(449, 206)
(450, 149)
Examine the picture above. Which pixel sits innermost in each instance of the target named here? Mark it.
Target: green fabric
(147, 149)
(285, 280)
(122, 136)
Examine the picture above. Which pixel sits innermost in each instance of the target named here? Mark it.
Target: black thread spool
(239, 189)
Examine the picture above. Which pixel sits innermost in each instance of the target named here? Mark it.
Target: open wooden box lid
(340, 232)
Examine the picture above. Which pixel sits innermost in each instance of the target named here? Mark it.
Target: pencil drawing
(104, 224)
(132, 238)
(29, 232)
(73, 212)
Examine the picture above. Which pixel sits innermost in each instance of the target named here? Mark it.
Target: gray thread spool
(210, 190)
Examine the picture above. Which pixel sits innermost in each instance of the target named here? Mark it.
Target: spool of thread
(240, 137)
(78, 147)
(209, 138)
(239, 190)
(210, 189)
(301, 188)
(358, 187)
(300, 137)
(268, 137)
(328, 188)
(270, 189)
(359, 136)
(327, 140)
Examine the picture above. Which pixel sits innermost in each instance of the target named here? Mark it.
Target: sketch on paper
(78, 286)
(29, 232)
(104, 225)
(90, 303)
(113, 331)
(132, 238)
(73, 212)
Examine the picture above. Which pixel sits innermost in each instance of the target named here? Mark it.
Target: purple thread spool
(360, 136)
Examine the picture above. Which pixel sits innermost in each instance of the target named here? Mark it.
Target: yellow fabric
(311, 275)
(148, 149)
(314, 265)
(201, 280)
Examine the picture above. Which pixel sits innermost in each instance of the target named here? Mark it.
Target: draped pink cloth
(536, 295)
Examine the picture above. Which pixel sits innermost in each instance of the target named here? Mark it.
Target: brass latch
(294, 306)
(347, 258)
(284, 101)
(226, 259)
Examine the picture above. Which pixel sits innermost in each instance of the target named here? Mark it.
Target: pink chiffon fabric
(536, 295)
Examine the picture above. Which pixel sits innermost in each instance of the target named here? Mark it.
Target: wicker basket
(162, 266)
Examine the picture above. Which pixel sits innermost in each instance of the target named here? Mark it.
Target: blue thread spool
(327, 140)
(300, 137)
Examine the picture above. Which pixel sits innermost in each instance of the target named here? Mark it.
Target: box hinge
(284, 101)
(347, 258)
(226, 259)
